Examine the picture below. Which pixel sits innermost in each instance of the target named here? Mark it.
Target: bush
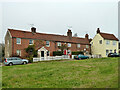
(30, 58)
(57, 53)
(77, 52)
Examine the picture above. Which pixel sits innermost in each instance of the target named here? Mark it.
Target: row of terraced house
(17, 40)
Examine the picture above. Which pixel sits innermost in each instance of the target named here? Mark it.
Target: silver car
(14, 60)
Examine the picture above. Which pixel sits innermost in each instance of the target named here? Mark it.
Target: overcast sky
(54, 16)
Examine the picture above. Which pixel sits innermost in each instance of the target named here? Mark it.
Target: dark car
(113, 55)
(80, 56)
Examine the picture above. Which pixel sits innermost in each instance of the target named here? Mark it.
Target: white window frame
(87, 46)
(106, 52)
(49, 53)
(32, 42)
(107, 42)
(100, 41)
(69, 51)
(69, 44)
(17, 42)
(47, 45)
(111, 51)
(114, 43)
(19, 52)
(78, 45)
(58, 43)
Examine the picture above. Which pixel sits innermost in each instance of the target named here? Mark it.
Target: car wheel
(24, 63)
(10, 64)
(79, 58)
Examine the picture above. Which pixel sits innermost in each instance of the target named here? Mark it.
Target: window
(107, 42)
(30, 42)
(92, 43)
(110, 51)
(87, 46)
(107, 51)
(58, 43)
(69, 52)
(69, 44)
(78, 45)
(18, 52)
(47, 43)
(48, 53)
(114, 42)
(100, 41)
(18, 40)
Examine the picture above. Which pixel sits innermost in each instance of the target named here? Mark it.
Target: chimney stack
(33, 30)
(98, 30)
(69, 34)
(86, 36)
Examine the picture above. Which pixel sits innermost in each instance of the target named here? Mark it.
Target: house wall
(53, 47)
(100, 49)
(8, 45)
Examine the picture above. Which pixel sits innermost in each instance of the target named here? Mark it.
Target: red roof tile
(108, 36)
(43, 36)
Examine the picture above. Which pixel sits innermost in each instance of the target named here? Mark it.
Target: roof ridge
(46, 33)
(106, 33)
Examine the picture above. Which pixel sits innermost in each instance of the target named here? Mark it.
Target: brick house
(17, 40)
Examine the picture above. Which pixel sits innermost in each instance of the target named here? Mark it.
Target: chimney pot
(98, 30)
(87, 36)
(69, 34)
(33, 30)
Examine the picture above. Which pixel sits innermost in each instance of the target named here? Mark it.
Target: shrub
(57, 53)
(77, 52)
(30, 58)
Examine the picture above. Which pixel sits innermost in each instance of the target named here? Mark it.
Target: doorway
(42, 53)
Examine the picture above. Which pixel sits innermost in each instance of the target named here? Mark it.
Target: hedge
(77, 52)
(57, 53)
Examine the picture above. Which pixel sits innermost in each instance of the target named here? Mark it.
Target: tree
(75, 35)
(63, 47)
(31, 50)
(38, 44)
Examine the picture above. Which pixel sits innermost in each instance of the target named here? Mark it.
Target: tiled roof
(44, 36)
(108, 36)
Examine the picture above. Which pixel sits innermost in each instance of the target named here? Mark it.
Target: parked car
(80, 56)
(14, 60)
(113, 55)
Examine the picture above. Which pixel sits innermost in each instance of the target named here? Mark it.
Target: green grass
(91, 73)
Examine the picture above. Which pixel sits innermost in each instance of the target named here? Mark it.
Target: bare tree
(39, 43)
(75, 35)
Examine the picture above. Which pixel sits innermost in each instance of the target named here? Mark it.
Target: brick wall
(53, 47)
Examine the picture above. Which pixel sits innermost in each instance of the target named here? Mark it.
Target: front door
(42, 53)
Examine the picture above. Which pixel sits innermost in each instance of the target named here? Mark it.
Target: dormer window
(18, 40)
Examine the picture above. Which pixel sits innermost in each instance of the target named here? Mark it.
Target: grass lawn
(91, 73)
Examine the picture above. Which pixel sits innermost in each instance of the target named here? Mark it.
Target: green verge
(89, 73)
